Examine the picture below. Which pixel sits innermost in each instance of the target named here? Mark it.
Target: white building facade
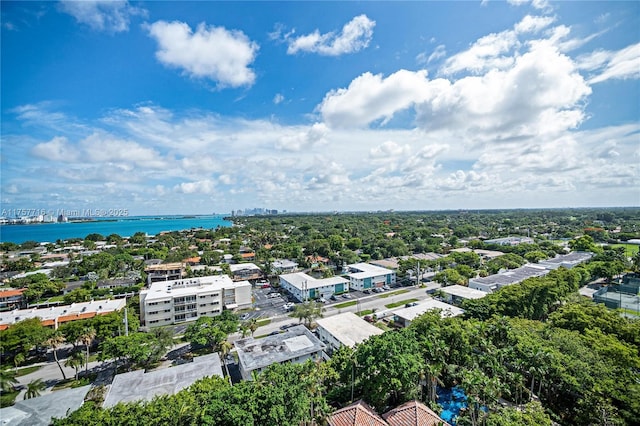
(177, 301)
(305, 287)
(363, 276)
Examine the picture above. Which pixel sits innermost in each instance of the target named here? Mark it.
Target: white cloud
(278, 98)
(438, 52)
(206, 186)
(533, 24)
(389, 149)
(622, 64)
(370, 97)
(102, 15)
(489, 52)
(215, 53)
(57, 149)
(355, 36)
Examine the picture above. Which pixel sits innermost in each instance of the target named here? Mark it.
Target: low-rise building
(245, 271)
(513, 276)
(363, 276)
(140, 385)
(296, 345)
(567, 260)
(304, 287)
(284, 266)
(404, 316)
(177, 301)
(410, 413)
(164, 272)
(510, 241)
(57, 315)
(346, 329)
(11, 299)
(456, 294)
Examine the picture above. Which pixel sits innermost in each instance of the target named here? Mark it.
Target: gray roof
(138, 385)
(573, 257)
(512, 276)
(296, 342)
(40, 410)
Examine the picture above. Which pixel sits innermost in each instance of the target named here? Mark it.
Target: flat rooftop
(512, 276)
(234, 267)
(40, 410)
(413, 312)
(297, 279)
(138, 385)
(296, 342)
(463, 292)
(164, 267)
(366, 270)
(63, 312)
(573, 257)
(189, 286)
(348, 328)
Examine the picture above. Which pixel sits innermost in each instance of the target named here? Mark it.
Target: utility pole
(126, 319)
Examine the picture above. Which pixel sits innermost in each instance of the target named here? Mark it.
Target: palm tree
(18, 359)
(87, 336)
(253, 325)
(7, 380)
(34, 388)
(225, 347)
(75, 360)
(54, 342)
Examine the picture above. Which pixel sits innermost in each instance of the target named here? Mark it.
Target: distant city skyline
(200, 107)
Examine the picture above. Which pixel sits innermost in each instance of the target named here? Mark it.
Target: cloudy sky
(200, 107)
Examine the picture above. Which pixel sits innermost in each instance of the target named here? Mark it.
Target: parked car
(386, 287)
(333, 297)
(322, 300)
(244, 316)
(368, 318)
(366, 291)
(346, 296)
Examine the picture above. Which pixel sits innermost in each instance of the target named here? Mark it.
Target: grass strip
(393, 293)
(345, 304)
(400, 303)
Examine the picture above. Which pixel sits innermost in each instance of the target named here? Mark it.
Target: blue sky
(200, 107)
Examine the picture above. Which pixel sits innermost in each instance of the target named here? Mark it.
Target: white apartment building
(176, 301)
(363, 276)
(345, 329)
(305, 287)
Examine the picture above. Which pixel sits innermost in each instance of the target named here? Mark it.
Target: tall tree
(54, 342)
(75, 360)
(87, 336)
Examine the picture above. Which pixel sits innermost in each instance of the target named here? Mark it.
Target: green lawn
(263, 322)
(629, 249)
(27, 370)
(365, 312)
(345, 304)
(400, 303)
(393, 293)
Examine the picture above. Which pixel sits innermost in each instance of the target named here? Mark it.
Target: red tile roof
(413, 413)
(9, 293)
(357, 414)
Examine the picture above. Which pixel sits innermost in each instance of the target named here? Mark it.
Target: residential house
(164, 272)
(404, 316)
(456, 294)
(284, 266)
(245, 271)
(296, 345)
(11, 299)
(408, 414)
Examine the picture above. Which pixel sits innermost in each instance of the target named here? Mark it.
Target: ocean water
(125, 227)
